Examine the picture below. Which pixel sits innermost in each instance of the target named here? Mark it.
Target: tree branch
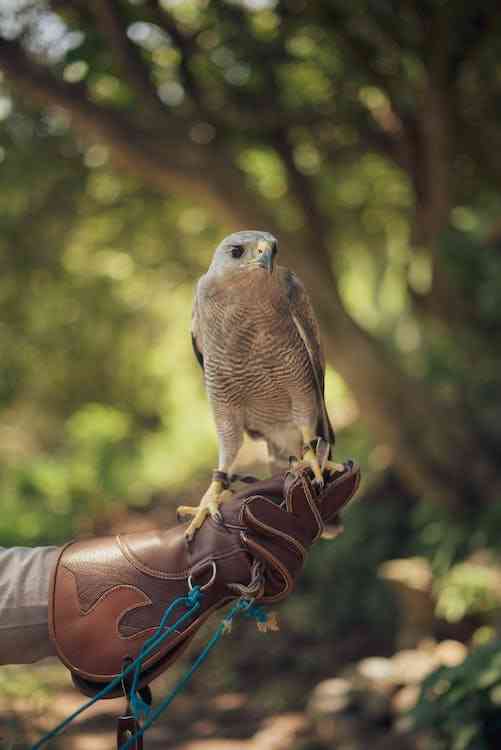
(361, 52)
(128, 57)
(303, 191)
(172, 164)
(184, 45)
(393, 132)
(483, 23)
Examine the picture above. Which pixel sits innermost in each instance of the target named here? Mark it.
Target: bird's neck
(240, 284)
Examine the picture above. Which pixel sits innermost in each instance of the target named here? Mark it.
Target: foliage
(468, 588)
(446, 537)
(461, 704)
(89, 348)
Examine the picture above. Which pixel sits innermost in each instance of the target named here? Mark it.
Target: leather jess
(108, 595)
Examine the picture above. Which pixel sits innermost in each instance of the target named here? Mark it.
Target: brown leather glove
(108, 595)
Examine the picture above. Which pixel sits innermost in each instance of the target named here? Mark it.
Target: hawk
(256, 337)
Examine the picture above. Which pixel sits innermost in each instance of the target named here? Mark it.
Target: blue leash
(139, 708)
(192, 601)
(242, 605)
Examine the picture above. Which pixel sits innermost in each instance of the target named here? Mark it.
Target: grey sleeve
(24, 594)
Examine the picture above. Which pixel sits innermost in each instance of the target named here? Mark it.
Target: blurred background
(134, 135)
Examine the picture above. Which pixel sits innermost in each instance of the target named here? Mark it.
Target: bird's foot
(317, 458)
(310, 458)
(333, 468)
(209, 506)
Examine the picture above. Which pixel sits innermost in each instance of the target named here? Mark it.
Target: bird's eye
(237, 251)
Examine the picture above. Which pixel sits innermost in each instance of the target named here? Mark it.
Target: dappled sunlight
(340, 402)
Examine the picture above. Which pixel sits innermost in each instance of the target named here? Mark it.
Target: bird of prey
(256, 337)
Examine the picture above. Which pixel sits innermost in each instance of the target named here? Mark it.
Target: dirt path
(34, 699)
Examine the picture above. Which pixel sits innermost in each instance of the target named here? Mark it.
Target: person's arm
(24, 594)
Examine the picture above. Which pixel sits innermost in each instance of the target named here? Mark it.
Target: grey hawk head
(245, 251)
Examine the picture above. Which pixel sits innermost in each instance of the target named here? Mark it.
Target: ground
(33, 699)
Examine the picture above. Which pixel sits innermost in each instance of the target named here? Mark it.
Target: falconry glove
(108, 595)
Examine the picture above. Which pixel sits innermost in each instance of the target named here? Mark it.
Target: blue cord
(192, 601)
(138, 706)
(242, 605)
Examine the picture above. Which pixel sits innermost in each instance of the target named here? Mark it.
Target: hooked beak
(266, 256)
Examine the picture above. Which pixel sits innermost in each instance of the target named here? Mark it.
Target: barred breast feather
(258, 342)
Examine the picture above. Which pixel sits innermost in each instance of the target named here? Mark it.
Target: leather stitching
(156, 661)
(275, 532)
(290, 492)
(108, 592)
(132, 559)
(354, 472)
(301, 479)
(276, 563)
(313, 506)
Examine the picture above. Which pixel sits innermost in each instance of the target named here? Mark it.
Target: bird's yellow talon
(185, 510)
(209, 506)
(312, 462)
(198, 519)
(333, 468)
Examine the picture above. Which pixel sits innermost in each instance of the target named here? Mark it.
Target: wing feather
(196, 333)
(306, 324)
